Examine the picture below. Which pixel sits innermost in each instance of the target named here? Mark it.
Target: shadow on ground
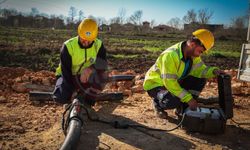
(102, 136)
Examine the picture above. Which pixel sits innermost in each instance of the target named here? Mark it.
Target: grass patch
(216, 53)
(124, 56)
(22, 46)
(152, 49)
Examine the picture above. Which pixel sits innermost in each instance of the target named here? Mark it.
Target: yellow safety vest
(168, 69)
(78, 55)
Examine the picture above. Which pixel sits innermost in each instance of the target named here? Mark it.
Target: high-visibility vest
(169, 68)
(80, 57)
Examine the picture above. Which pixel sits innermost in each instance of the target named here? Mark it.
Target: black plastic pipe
(75, 121)
(74, 128)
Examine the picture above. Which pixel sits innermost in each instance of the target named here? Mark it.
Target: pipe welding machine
(212, 119)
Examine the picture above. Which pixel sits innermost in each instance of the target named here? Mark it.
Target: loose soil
(28, 125)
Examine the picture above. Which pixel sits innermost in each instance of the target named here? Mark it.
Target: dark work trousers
(63, 90)
(169, 101)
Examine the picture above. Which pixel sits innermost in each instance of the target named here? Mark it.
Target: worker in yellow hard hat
(82, 60)
(179, 75)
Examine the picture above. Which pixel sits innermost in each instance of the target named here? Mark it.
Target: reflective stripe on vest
(169, 65)
(169, 76)
(78, 55)
(194, 92)
(204, 72)
(182, 94)
(197, 65)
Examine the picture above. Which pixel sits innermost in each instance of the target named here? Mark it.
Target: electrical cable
(118, 125)
(239, 124)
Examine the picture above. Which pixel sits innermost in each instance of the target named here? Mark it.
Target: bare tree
(80, 15)
(100, 20)
(56, 21)
(121, 16)
(72, 14)
(175, 22)
(239, 22)
(115, 20)
(190, 17)
(239, 27)
(136, 17)
(44, 15)
(204, 16)
(34, 12)
(8, 12)
(152, 23)
(1, 2)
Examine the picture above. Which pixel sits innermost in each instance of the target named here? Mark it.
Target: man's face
(198, 50)
(85, 43)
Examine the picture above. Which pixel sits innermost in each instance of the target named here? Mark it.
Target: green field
(39, 48)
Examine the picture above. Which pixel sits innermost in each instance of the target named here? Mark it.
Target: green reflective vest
(168, 69)
(80, 57)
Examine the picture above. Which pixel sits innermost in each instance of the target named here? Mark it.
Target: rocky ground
(28, 125)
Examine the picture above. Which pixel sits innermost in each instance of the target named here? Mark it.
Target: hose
(118, 125)
(72, 126)
(73, 135)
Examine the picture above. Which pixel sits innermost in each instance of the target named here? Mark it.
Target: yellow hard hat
(88, 29)
(206, 37)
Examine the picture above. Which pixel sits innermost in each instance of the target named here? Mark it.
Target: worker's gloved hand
(218, 72)
(86, 74)
(193, 104)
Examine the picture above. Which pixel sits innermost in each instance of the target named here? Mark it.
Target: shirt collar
(81, 46)
(180, 51)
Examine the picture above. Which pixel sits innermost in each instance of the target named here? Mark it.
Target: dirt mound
(25, 125)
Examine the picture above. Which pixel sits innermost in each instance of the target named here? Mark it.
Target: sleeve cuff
(187, 98)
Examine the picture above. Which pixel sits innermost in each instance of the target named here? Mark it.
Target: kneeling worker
(82, 57)
(179, 75)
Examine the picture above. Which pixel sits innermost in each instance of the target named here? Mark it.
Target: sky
(159, 10)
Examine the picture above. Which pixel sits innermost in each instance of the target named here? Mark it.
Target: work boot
(161, 114)
(158, 111)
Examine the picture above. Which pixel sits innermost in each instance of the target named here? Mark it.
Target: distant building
(104, 27)
(129, 27)
(118, 28)
(195, 26)
(145, 27)
(115, 27)
(163, 28)
(146, 24)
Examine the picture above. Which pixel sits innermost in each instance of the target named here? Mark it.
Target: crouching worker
(82, 57)
(179, 75)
